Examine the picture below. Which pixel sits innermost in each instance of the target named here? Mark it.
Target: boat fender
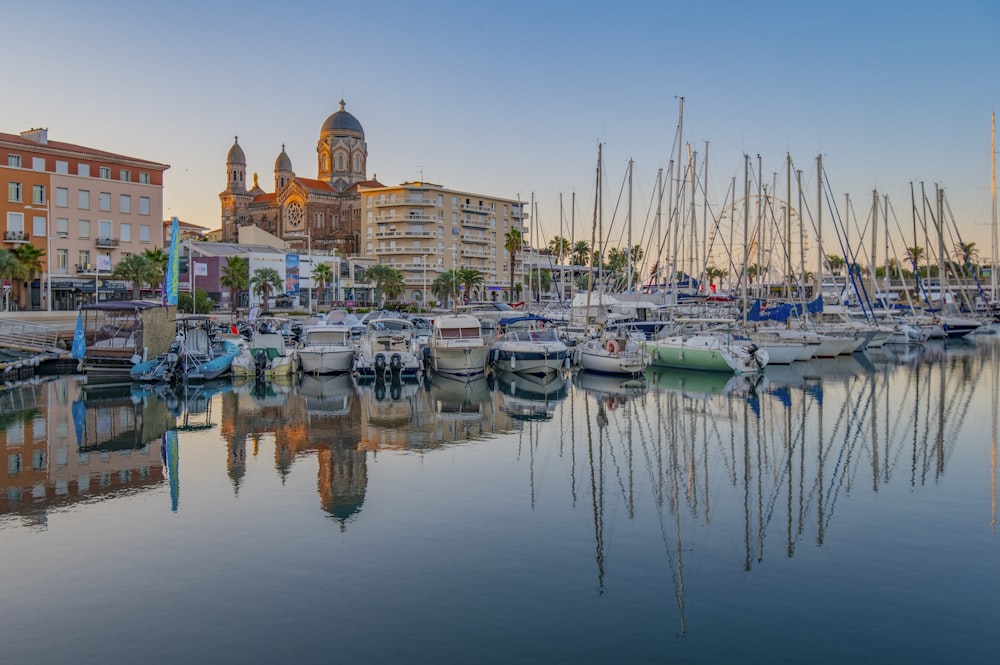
(612, 346)
(656, 354)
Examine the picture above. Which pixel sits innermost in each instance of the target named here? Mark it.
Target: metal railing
(27, 335)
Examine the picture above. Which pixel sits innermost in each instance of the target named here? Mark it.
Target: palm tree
(159, 259)
(581, 253)
(264, 281)
(560, 247)
(322, 277)
(10, 269)
(31, 258)
(393, 285)
(235, 277)
(541, 281)
(445, 286)
(470, 278)
(138, 269)
(834, 263)
(512, 241)
(753, 271)
(713, 273)
(915, 254)
(378, 274)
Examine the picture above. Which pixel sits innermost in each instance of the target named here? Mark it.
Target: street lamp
(48, 249)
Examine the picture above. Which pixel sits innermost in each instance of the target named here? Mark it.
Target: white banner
(201, 269)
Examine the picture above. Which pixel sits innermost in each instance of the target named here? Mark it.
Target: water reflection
(787, 446)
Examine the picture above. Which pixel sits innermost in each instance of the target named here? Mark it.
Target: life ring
(612, 346)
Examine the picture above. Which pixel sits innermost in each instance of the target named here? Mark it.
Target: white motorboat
(457, 346)
(388, 349)
(326, 349)
(527, 347)
(267, 356)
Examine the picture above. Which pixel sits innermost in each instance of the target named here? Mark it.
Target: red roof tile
(60, 146)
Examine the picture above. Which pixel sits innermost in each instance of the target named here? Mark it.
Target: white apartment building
(423, 230)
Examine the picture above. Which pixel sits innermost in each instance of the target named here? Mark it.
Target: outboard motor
(172, 370)
(379, 364)
(395, 387)
(396, 364)
(260, 363)
(752, 351)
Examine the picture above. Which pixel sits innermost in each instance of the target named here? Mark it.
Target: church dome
(283, 162)
(236, 155)
(343, 123)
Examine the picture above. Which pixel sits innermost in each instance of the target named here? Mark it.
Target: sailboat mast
(704, 217)
(746, 232)
(819, 227)
(874, 258)
(562, 241)
(628, 288)
(593, 240)
(788, 227)
(993, 211)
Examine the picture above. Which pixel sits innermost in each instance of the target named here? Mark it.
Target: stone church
(326, 209)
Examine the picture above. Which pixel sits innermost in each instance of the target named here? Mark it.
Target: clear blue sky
(511, 98)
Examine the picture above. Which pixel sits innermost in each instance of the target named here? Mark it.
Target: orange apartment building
(86, 209)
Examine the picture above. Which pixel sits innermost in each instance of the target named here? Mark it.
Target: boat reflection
(704, 385)
(531, 397)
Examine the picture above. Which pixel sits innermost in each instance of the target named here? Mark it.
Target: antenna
(420, 168)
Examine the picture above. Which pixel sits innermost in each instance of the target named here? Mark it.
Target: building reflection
(65, 443)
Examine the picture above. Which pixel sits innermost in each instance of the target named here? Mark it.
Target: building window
(104, 202)
(38, 226)
(14, 192)
(125, 232)
(143, 205)
(38, 163)
(125, 175)
(143, 178)
(14, 161)
(14, 464)
(83, 169)
(104, 173)
(144, 233)
(62, 197)
(15, 222)
(61, 166)
(83, 199)
(340, 162)
(62, 261)
(357, 163)
(104, 229)
(84, 259)
(38, 194)
(84, 228)
(125, 204)
(62, 227)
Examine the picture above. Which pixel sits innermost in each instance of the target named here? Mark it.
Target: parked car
(283, 301)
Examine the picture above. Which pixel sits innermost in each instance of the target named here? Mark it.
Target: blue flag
(172, 276)
(79, 349)
(79, 411)
(169, 454)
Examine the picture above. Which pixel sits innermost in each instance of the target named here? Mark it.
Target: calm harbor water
(835, 511)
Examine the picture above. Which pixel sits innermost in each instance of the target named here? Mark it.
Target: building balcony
(483, 240)
(473, 207)
(414, 251)
(405, 219)
(108, 243)
(406, 234)
(389, 203)
(476, 223)
(16, 237)
(478, 253)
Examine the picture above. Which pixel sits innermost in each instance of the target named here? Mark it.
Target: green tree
(393, 285)
(541, 282)
(159, 259)
(445, 286)
(322, 276)
(713, 273)
(137, 269)
(202, 303)
(754, 271)
(512, 241)
(235, 277)
(264, 282)
(560, 247)
(581, 253)
(31, 258)
(379, 274)
(471, 279)
(11, 269)
(834, 263)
